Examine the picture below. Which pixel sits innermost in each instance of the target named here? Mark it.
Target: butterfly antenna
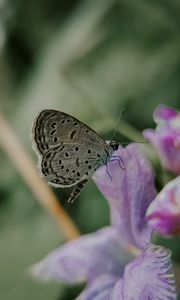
(117, 124)
(116, 131)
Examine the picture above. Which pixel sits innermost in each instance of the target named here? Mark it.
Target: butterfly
(69, 151)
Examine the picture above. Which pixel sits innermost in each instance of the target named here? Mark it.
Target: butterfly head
(114, 145)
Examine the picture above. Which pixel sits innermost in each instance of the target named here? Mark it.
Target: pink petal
(166, 137)
(164, 212)
(164, 113)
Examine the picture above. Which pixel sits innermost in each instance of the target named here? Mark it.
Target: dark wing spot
(53, 132)
(98, 155)
(76, 148)
(73, 171)
(86, 162)
(72, 134)
(48, 155)
(53, 125)
(87, 130)
(67, 170)
(66, 154)
(62, 147)
(87, 173)
(68, 120)
(89, 151)
(62, 167)
(63, 121)
(55, 139)
(75, 123)
(77, 161)
(89, 167)
(45, 164)
(78, 174)
(60, 161)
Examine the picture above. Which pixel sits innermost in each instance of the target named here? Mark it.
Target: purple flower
(164, 212)
(129, 194)
(117, 262)
(166, 137)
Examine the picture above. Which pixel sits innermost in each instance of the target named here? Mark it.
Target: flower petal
(166, 137)
(116, 293)
(100, 289)
(164, 113)
(164, 212)
(167, 143)
(83, 259)
(129, 193)
(147, 277)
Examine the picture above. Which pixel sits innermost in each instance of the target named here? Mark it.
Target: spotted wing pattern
(68, 164)
(53, 127)
(69, 150)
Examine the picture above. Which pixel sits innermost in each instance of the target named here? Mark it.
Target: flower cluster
(164, 212)
(118, 262)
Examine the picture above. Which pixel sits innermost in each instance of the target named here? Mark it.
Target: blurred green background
(89, 58)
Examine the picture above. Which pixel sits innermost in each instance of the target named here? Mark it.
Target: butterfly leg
(107, 171)
(120, 161)
(77, 190)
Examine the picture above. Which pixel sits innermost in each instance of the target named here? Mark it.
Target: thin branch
(24, 165)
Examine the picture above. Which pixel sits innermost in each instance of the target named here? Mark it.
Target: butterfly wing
(67, 164)
(69, 150)
(52, 128)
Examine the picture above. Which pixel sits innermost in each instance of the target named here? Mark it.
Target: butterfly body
(69, 151)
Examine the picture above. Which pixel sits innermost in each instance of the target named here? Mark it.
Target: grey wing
(67, 164)
(51, 128)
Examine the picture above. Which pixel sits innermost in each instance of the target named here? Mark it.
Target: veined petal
(148, 277)
(163, 213)
(129, 193)
(99, 289)
(84, 259)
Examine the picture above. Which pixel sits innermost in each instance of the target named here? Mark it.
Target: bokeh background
(89, 58)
